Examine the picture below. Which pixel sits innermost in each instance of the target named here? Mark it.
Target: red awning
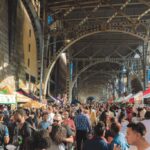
(131, 100)
(146, 91)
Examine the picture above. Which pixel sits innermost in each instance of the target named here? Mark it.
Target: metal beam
(107, 59)
(91, 4)
(108, 73)
(84, 48)
(116, 13)
(143, 14)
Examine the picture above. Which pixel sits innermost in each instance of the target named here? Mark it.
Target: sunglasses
(56, 120)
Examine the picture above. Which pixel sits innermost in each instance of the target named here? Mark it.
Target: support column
(68, 79)
(145, 48)
(128, 81)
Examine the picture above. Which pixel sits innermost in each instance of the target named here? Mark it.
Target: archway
(81, 36)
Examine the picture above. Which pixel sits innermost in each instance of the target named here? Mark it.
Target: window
(27, 77)
(28, 62)
(29, 32)
(33, 80)
(29, 47)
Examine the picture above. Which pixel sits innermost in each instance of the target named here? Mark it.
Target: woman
(122, 120)
(57, 135)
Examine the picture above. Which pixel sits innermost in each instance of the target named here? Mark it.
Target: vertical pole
(145, 45)
(43, 3)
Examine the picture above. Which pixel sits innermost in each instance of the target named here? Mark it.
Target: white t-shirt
(50, 118)
(132, 147)
(148, 148)
(124, 127)
(147, 125)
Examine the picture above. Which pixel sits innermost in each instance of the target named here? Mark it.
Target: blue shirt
(120, 139)
(44, 124)
(82, 123)
(95, 144)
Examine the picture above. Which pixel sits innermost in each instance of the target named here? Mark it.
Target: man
(50, 114)
(146, 123)
(98, 142)
(4, 134)
(82, 127)
(58, 121)
(69, 139)
(44, 124)
(23, 129)
(135, 136)
(119, 138)
(68, 121)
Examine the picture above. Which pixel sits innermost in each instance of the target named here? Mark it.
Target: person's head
(57, 120)
(121, 117)
(58, 133)
(1, 116)
(115, 128)
(135, 131)
(19, 116)
(66, 115)
(50, 109)
(99, 129)
(147, 115)
(41, 140)
(134, 114)
(45, 116)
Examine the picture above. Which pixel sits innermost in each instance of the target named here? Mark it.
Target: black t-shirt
(23, 133)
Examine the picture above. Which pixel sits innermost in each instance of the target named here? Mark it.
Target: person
(68, 121)
(68, 140)
(57, 135)
(146, 122)
(50, 114)
(40, 141)
(44, 124)
(22, 131)
(119, 138)
(98, 142)
(135, 136)
(4, 134)
(83, 127)
(122, 120)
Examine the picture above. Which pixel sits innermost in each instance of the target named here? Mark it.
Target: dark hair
(137, 127)
(115, 128)
(122, 115)
(58, 133)
(1, 114)
(41, 139)
(147, 115)
(20, 112)
(99, 129)
(134, 114)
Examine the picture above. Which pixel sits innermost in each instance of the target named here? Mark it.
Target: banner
(7, 99)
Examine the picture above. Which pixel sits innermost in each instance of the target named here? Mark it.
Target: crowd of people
(91, 126)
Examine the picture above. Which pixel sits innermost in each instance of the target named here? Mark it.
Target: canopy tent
(33, 104)
(7, 99)
(6, 90)
(29, 95)
(131, 100)
(22, 99)
(138, 98)
(146, 93)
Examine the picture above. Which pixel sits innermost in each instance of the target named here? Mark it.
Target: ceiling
(76, 14)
